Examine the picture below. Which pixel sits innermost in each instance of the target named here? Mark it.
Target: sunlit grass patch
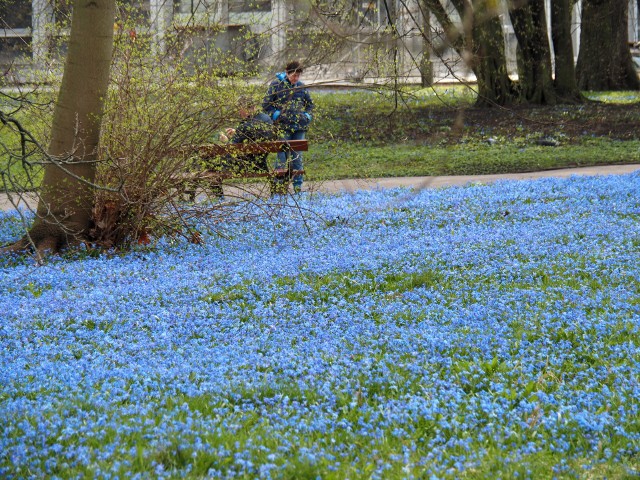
(327, 161)
(615, 97)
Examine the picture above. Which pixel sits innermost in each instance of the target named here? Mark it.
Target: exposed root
(42, 240)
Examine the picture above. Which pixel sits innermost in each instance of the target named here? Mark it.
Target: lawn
(438, 131)
(467, 332)
(431, 131)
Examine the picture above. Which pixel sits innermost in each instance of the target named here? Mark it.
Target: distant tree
(604, 60)
(534, 55)
(479, 39)
(566, 86)
(489, 59)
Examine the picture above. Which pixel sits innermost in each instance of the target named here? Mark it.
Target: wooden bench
(222, 150)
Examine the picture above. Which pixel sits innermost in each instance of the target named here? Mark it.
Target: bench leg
(188, 192)
(292, 160)
(215, 189)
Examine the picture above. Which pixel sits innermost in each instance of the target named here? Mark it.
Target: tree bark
(604, 61)
(534, 54)
(494, 85)
(64, 212)
(480, 42)
(565, 83)
(454, 37)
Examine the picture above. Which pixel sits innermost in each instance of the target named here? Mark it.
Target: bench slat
(220, 150)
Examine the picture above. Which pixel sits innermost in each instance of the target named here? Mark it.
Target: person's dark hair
(293, 67)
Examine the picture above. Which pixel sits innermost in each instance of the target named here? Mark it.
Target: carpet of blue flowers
(477, 332)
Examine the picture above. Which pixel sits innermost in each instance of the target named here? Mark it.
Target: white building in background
(257, 33)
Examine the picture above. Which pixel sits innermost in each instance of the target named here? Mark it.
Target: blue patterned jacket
(289, 105)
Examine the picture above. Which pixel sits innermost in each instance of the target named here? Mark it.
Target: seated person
(254, 127)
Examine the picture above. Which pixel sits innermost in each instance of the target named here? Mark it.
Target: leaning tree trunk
(534, 62)
(64, 212)
(604, 61)
(565, 83)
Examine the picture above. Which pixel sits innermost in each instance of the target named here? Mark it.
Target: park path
(461, 180)
(350, 185)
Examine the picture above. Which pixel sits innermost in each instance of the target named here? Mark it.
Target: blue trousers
(282, 160)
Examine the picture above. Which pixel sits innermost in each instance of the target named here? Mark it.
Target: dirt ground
(619, 121)
(431, 125)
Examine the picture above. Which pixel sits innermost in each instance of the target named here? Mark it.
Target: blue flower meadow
(484, 331)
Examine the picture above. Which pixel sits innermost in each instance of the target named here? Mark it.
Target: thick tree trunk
(454, 36)
(565, 83)
(604, 61)
(494, 85)
(534, 62)
(480, 41)
(65, 209)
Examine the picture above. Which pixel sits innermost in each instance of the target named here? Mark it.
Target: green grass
(335, 161)
(18, 152)
(623, 97)
(362, 134)
(365, 134)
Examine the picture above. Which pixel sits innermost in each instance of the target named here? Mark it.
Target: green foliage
(159, 103)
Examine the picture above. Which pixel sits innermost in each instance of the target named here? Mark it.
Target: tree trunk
(425, 65)
(565, 83)
(480, 42)
(604, 61)
(453, 35)
(534, 62)
(64, 212)
(494, 85)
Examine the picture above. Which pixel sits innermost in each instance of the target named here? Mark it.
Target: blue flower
(427, 329)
